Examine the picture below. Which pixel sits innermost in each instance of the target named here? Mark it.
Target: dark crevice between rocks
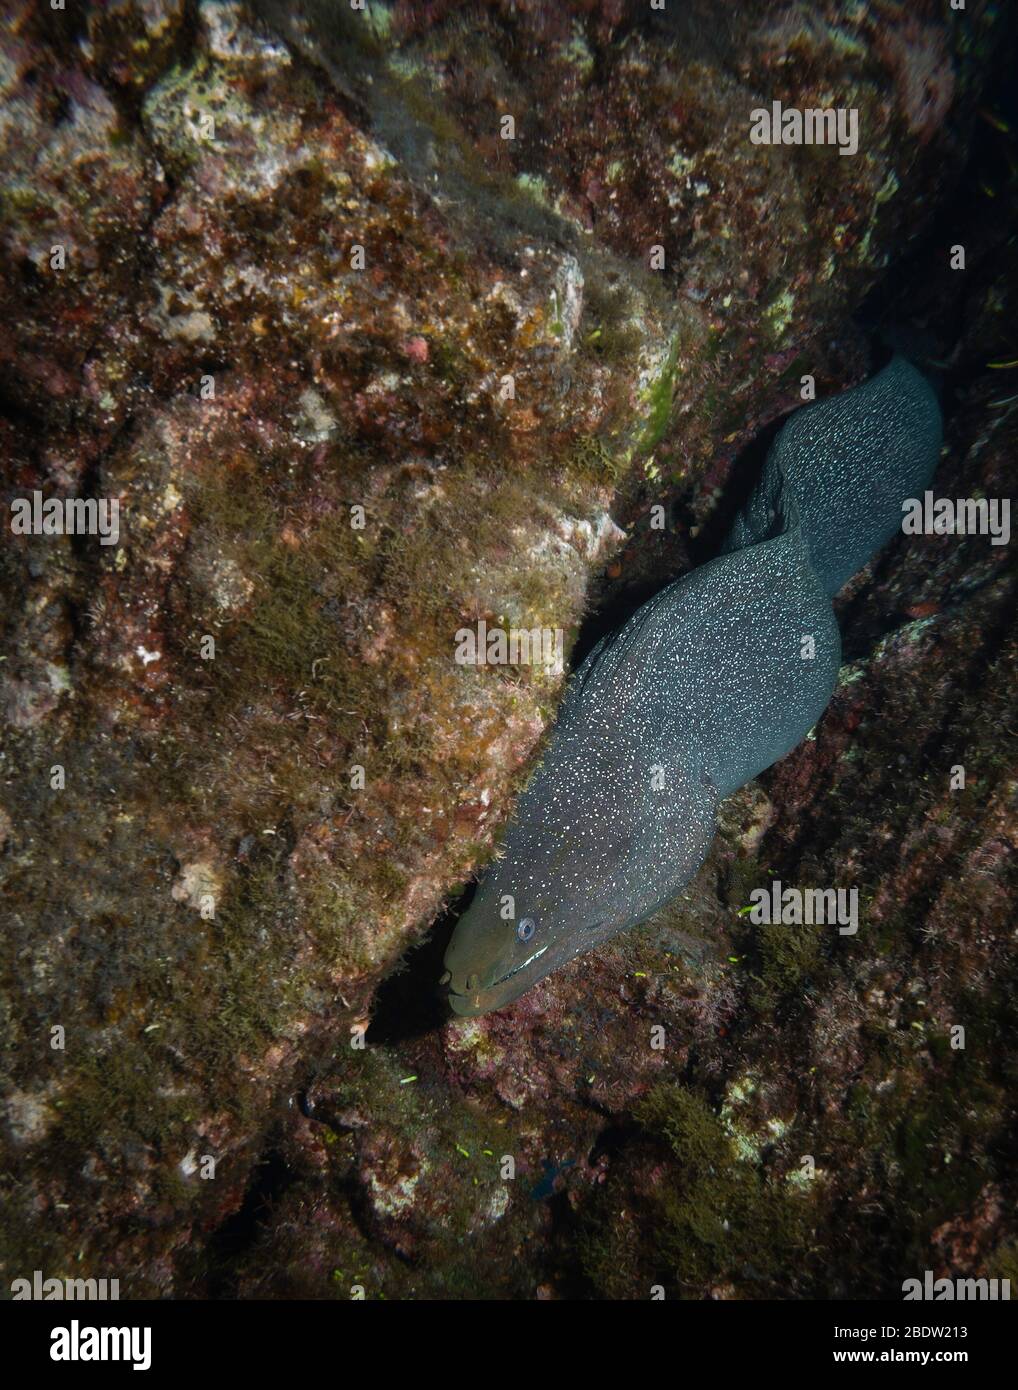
(409, 1002)
(14, 405)
(918, 287)
(272, 1177)
(612, 1141)
(366, 1223)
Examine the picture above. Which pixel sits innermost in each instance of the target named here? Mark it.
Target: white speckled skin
(704, 687)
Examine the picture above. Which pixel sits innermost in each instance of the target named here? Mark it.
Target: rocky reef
(377, 323)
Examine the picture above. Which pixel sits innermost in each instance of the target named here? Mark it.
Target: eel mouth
(516, 981)
(469, 1004)
(508, 987)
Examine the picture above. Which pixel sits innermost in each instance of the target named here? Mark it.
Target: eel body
(718, 676)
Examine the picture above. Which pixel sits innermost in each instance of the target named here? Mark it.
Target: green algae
(788, 957)
(656, 400)
(715, 1218)
(592, 458)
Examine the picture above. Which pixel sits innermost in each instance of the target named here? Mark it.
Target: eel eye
(526, 929)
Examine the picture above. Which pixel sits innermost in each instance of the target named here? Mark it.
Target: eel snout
(468, 992)
(472, 988)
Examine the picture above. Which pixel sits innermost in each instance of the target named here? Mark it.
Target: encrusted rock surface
(360, 373)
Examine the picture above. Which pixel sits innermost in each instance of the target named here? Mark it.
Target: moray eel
(714, 679)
